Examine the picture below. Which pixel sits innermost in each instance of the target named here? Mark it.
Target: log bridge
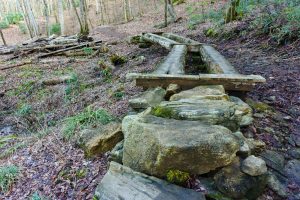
(171, 70)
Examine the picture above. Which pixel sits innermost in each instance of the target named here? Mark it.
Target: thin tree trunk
(166, 13)
(77, 15)
(2, 36)
(46, 10)
(61, 16)
(31, 17)
(83, 12)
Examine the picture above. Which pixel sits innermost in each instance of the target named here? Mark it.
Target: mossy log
(231, 82)
(193, 46)
(217, 64)
(174, 62)
(165, 42)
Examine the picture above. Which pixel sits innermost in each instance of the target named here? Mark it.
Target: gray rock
(149, 98)
(100, 140)
(256, 146)
(213, 92)
(292, 170)
(171, 90)
(215, 112)
(156, 145)
(273, 159)
(244, 150)
(294, 153)
(234, 183)
(254, 166)
(121, 182)
(116, 154)
(276, 185)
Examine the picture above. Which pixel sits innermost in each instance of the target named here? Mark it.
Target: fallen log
(231, 82)
(174, 62)
(193, 46)
(165, 42)
(56, 80)
(89, 44)
(216, 62)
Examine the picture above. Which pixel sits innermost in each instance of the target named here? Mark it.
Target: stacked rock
(196, 132)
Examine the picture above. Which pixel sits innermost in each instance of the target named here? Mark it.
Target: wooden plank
(232, 82)
(193, 46)
(165, 42)
(216, 62)
(174, 63)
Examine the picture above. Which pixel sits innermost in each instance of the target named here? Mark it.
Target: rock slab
(121, 182)
(100, 140)
(155, 145)
(254, 166)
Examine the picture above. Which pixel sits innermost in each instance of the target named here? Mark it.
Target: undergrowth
(86, 118)
(280, 19)
(8, 175)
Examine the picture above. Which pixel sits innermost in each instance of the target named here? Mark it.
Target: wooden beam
(231, 82)
(193, 46)
(165, 42)
(174, 63)
(216, 62)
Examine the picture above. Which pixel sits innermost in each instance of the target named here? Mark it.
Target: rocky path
(177, 136)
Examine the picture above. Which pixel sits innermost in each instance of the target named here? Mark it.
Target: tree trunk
(32, 21)
(127, 13)
(84, 18)
(166, 13)
(2, 37)
(231, 13)
(46, 10)
(61, 16)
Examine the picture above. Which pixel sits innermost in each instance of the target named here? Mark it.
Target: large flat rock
(121, 182)
(155, 145)
(213, 92)
(208, 104)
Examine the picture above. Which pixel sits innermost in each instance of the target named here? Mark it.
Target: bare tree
(46, 12)
(2, 37)
(84, 30)
(61, 16)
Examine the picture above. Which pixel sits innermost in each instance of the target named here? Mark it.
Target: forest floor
(53, 167)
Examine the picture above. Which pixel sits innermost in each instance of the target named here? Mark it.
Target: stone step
(121, 182)
(155, 145)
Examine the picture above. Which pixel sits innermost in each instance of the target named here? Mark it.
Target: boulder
(212, 92)
(171, 90)
(155, 145)
(100, 140)
(116, 154)
(273, 159)
(215, 112)
(121, 182)
(275, 185)
(292, 171)
(149, 98)
(234, 183)
(254, 166)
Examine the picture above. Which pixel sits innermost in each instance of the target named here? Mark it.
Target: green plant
(88, 50)
(86, 118)
(55, 29)
(177, 177)
(4, 25)
(13, 18)
(117, 59)
(24, 110)
(22, 28)
(8, 175)
(36, 196)
(162, 112)
(118, 95)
